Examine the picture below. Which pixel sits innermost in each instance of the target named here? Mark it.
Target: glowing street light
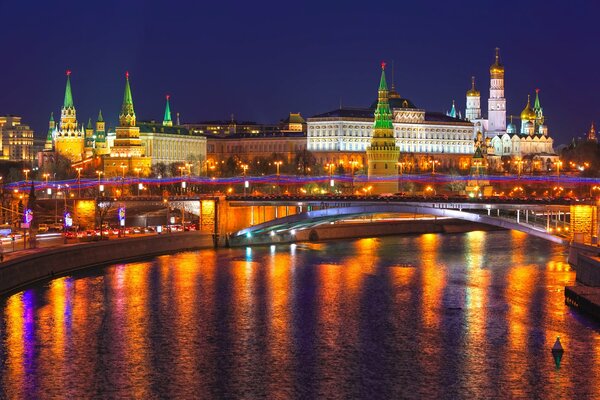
(100, 186)
(26, 172)
(558, 165)
(433, 164)
(78, 169)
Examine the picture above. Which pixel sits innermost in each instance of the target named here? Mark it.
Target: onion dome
(497, 69)
(473, 92)
(528, 113)
(511, 128)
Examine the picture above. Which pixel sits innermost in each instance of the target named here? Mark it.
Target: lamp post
(245, 169)
(278, 164)
(78, 169)
(433, 164)
(100, 188)
(123, 168)
(352, 166)
(558, 165)
(137, 170)
(26, 172)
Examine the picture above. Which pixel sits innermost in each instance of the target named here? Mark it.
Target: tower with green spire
(537, 108)
(100, 136)
(89, 139)
(69, 137)
(382, 153)
(127, 155)
(49, 145)
(167, 121)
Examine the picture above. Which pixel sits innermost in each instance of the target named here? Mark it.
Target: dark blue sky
(261, 60)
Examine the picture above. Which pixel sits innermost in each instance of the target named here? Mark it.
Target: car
(43, 228)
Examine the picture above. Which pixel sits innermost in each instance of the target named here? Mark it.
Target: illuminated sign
(68, 219)
(28, 216)
(121, 215)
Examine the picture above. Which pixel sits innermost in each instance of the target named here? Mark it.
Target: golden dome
(473, 92)
(496, 68)
(528, 113)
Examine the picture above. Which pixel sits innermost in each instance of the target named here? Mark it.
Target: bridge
(548, 220)
(265, 219)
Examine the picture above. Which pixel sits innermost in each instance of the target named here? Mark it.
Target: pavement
(12, 249)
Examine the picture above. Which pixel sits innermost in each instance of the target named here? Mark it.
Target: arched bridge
(547, 221)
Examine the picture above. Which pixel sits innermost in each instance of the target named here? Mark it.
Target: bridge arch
(310, 219)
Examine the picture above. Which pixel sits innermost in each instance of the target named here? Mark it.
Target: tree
(103, 207)
(305, 162)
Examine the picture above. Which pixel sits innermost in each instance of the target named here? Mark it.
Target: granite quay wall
(20, 272)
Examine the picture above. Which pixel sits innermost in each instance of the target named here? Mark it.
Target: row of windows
(400, 134)
(404, 147)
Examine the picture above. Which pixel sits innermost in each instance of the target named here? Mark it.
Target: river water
(430, 316)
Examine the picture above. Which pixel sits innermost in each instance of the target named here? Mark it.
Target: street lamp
(558, 165)
(433, 164)
(26, 172)
(278, 164)
(78, 169)
(100, 187)
(123, 168)
(137, 170)
(352, 166)
(245, 168)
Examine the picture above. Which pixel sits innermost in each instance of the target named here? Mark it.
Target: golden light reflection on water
(14, 378)
(279, 286)
(256, 320)
(132, 295)
(476, 306)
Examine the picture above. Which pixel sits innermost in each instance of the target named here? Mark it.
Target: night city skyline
(262, 61)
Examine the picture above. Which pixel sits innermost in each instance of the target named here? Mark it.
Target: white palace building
(344, 134)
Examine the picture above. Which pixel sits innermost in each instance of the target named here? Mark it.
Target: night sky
(261, 60)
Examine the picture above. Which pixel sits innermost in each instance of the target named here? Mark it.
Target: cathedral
(530, 146)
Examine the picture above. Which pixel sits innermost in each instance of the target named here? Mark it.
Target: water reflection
(470, 315)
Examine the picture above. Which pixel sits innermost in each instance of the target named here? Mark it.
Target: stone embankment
(20, 272)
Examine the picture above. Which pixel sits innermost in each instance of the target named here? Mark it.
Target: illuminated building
(69, 136)
(343, 135)
(231, 127)
(591, 135)
(127, 153)
(382, 152)
(17, 139)
(530, 142)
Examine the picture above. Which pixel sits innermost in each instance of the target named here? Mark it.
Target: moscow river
(427, 316)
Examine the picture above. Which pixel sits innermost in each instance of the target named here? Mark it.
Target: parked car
(43, 228)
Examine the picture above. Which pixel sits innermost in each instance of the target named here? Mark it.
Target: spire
(51, 117)
(592, 133)
(536, 105)
(127, 117)
(100, 119)
(89, 125)
(383, 114)
(452, 113)
(68, 103)
(382, 82)
(167, 119)
(497, 69)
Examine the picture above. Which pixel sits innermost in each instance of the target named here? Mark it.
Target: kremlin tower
(69, 138)
(591, 136)
(473, 110)
(497, 102)
(127, 153)
(100, 144)
(49, 145)
(167, 121)
(382, 153)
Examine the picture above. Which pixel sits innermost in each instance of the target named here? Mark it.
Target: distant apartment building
(17, 139)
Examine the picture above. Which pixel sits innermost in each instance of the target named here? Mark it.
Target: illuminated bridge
(558, 221)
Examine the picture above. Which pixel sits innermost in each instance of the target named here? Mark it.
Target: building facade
(17, 139)
(530, 142)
